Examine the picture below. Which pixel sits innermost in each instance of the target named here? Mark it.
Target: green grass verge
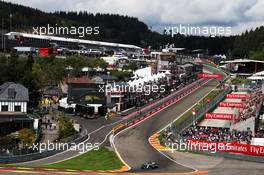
(213, 94)
(102, 159)
(199, 105)
(240, 81)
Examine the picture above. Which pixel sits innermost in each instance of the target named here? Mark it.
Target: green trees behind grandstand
(37, 73)
(113, 28)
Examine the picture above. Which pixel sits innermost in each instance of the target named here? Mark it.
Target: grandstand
(240, 128)
(14, 39)
(243, 67)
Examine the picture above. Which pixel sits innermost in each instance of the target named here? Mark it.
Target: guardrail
(243, 157)
(206, 108)
(38, 155)
(184, 124)
(177, 130)
(161, 105)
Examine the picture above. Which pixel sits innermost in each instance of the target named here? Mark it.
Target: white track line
(81, 152)
(174, 122)
(113, 142)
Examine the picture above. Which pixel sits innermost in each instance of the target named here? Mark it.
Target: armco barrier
(199, 116)
(186, 123)
(178, 128)
(38, 155)
(170, 101)
(173, 98)
(170, 96)
(243, 157)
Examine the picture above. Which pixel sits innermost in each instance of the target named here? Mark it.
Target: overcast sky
(239, 14)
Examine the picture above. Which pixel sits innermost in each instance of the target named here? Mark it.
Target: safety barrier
(178, 128)
(243, 157)
(160, 106)
(38, 155)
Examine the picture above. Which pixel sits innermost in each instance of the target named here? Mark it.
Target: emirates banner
(231, 104)
(237, 96)
(234, 147)
(203, 75)
(218, 116)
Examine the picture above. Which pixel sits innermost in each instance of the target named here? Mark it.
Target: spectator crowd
(217, 134)
(252, 105)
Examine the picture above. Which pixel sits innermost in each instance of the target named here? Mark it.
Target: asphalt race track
(99, 134)
(133, 146)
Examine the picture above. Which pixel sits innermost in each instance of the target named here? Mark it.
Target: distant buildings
(13, 98)
(181, 67)
(14, 39)
(116, 61)
(166, 61)
(84, 93)
(243, 67)
(13, 108)
(93, 96)
(89, 96)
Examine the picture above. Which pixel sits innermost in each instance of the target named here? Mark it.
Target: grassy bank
(213, 94)
(102, 159)
(239, 81)
(199, 105)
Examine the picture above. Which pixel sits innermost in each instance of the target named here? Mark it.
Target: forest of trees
(113, 28)
(129, 30)
(38, 73)
(250, 44)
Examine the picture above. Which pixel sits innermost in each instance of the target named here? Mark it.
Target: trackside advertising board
(218, 116)
(237, 96)
(204, 75)
(213, 147)
(231, 104)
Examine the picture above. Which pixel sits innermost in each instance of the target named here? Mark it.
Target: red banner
(203, 75)
(43, 52)
(204, 145)
(218, 116)
(231, 104)
(237, 95)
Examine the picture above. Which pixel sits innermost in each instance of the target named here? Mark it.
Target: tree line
(37, 73)
(113, 28)
(129, 30)
(250, 44)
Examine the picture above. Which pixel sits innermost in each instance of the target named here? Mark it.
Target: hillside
(250, 44)
(113, 28)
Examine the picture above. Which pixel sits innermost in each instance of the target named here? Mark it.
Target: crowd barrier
(163, 104)
(246, 152)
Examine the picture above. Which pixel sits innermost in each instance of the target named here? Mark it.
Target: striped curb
(154, 142)
(57, 171)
